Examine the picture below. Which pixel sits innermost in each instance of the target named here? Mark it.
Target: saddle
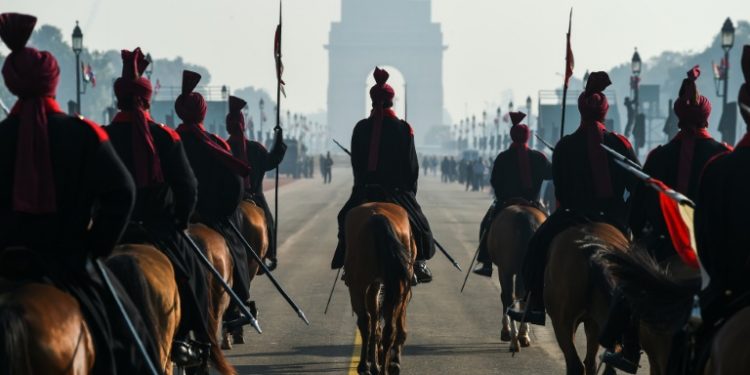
(518, 201)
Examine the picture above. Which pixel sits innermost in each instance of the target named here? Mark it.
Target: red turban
(133, 95)
(519, 133)
(190, 106)
(593, 106)
(32, 76)
(691, 107)
(592, 103)
(381, 92)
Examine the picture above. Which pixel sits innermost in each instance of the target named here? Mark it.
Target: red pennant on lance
(569, 61)
(277, 56)
(679, 219)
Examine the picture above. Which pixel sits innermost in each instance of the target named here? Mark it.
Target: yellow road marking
(355, 353)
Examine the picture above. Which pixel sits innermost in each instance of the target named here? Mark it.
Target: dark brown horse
(216, 250)
(507, 241)
(572, 294)
(148, 277)
(42, 331)
(380, 252)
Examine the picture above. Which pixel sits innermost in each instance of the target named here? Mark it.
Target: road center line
(355, 353)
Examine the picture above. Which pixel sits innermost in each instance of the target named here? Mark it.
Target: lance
(249, 318)
(549, 146)
(277, 128)
(265, 269)
(4, 108)
(569, 63)
(745, 108)
(473, 260)
(102, 270)
(635, 169)
(414, 223)
(330, 296)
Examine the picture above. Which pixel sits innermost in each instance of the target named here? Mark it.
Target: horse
(380, 253)
(572, 293)
(43, 331)
(215, 248)
(254, 231)
(149, 279)
(507, 240)
(664, 310)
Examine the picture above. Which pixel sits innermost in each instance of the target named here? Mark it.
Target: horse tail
(14, 344)
(129, 274)
(392, 253)
(635, 271)
(526, 224)
(221, 364)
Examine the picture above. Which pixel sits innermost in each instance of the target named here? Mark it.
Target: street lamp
(635, 80)
(727, 41)
(262, 117)
(150, 66)
(77, 49)
(224, 92)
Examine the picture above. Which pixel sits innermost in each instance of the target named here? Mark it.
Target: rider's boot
(484, 269)
(530, 312)
(422, 272)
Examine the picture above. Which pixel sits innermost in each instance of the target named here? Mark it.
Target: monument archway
(404, 37)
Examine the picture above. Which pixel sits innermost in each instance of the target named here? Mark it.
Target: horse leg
(373, 342)
(506, 299)
(395, 367)
(565, 330)
(523, 334)
(357, 296)
(389, 332)
(592, 345)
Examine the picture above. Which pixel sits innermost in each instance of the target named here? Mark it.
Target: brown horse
(42, 331)
(155, 296)
(216, 250)
(507, 241)
(573, 296)
(254, 230)
(730, 354)
(380, 253)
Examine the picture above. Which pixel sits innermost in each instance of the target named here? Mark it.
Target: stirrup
(620, 362)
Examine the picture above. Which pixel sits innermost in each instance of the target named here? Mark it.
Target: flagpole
(277, 129)
(568, 74)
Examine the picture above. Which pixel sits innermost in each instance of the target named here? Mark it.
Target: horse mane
(14, 343)
(654, 294)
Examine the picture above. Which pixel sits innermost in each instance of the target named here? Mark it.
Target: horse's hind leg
(357, 297)
(592, 345)
(395, 367)
(373, 340)
(506, 299)
(565, 330)
(390, 315)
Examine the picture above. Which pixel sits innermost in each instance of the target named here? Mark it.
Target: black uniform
(163, 210)
(261, 161)
(91, 183)
(508, 186)
(721, 231)
(577, 197)
(394, 180)
(220, 192)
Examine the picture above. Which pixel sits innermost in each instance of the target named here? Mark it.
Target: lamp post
(150, 67)
(635, 80)
(224, 92)
(262, 117)
(727, 41)
(77, 49)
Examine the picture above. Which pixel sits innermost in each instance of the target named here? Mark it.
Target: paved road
(449, 333)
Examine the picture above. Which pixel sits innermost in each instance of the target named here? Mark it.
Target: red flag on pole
(277, 55)
(569, 61)
(679, 219)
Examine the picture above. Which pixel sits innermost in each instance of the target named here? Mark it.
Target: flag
(569, 61)
(277, 55)
(157, 87)
(716, 69)
(91, 75)
(678, 215)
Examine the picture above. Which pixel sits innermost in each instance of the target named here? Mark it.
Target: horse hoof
(524, 341)
(514, 347)
(394, 369)
(238, 337)
(225, 343)
(363, 369)
(608, 370)
(505, 335)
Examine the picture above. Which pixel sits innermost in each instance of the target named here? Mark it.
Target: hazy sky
(495, 47)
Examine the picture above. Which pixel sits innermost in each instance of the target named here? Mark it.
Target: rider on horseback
(219, 174)
(721, 222)
(385, 166)
(588, 185)
(516, 176)
(679, 163)
(260, 161)
(66, 196)
(165, 198)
